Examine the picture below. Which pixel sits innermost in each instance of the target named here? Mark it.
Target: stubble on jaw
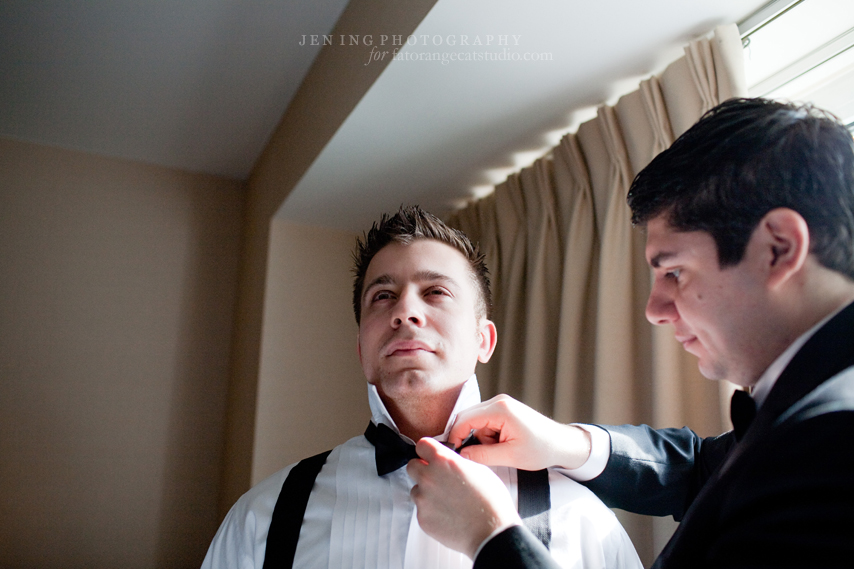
(417, 411)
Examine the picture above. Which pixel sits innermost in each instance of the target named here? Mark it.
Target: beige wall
(117, 288)
(312, 394)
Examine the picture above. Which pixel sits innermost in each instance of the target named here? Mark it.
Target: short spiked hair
(411, 224)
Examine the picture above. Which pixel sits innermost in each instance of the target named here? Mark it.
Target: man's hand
(459, 503)
(513, 434)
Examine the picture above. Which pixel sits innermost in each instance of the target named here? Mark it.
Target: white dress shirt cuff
(600, 451)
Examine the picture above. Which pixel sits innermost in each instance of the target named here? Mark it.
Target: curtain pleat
(638, 131)
(574, 381)
(729, 63)
(616, 353)
(702, 66)
(570, 281)
(681, 97)
(510, 315)
(656, 114)
(468, 220)
(544, 285)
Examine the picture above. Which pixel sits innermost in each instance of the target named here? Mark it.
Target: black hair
(746, 157)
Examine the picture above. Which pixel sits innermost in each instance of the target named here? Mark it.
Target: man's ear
(359, 346)
(785, 238)
(488, 338)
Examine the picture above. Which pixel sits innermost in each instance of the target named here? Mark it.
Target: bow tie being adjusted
(742, 411)
(391, 451)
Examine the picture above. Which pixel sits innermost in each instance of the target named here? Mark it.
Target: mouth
(404, 348)
(686, 341)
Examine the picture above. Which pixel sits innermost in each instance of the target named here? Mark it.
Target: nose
(660, 308)
(407, 310)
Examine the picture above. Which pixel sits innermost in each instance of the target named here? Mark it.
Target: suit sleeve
(514, 548)
(657, 472)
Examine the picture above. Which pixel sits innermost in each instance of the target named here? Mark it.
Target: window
(803, 50)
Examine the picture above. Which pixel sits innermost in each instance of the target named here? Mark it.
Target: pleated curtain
(570, 281)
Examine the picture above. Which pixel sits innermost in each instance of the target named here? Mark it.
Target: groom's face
(420, 333)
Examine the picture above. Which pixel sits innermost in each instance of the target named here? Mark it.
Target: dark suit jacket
(781, 497)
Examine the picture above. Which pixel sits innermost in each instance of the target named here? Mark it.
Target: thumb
(428, 449)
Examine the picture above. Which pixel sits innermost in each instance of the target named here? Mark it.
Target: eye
(437, 291)
(381, 295)
(673, 274)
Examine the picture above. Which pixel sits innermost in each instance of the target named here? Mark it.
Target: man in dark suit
(749, 219)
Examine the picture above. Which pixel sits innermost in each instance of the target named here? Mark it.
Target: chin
(404, 378)
(714, 371)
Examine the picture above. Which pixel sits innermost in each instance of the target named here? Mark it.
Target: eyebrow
(656, 261)
(420, 276)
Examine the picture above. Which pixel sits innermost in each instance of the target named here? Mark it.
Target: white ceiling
(200, 85)
(426, 132)
(192, 84)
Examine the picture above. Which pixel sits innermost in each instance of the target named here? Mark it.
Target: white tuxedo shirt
(357, 519)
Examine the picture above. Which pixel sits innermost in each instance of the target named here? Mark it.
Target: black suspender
(282, 538)
(283, 535)
(535, 501)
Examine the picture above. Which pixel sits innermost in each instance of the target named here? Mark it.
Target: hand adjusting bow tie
(742, 411)
(392, 452)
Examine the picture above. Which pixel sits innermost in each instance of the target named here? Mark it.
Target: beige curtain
(569, 275)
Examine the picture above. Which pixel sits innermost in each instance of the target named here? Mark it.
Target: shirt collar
(469, 395)
(769, 378)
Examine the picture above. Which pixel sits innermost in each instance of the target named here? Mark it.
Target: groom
(421, 299)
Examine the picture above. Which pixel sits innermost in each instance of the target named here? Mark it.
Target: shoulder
(834, 395)
(243, 533)
(241, 539)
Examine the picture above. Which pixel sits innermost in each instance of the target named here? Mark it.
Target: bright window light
(805, 53)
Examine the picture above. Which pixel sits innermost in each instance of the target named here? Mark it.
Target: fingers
(490, 454)
(458, 502)
(516, 435)
(463, 427)
(486, 419)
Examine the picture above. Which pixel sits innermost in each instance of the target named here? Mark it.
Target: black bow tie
(742, 411)
(391, 451)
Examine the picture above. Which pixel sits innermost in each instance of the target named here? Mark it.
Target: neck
(799, 308)
(824, 294)
(419, 416)
(786, 313)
